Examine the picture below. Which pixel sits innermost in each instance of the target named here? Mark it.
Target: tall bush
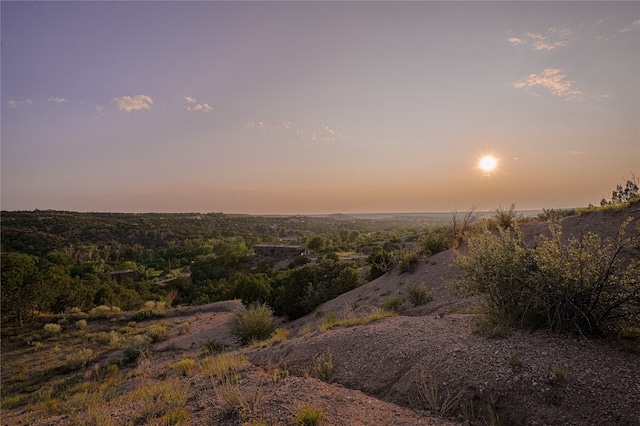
(254, 323)
(590, 285)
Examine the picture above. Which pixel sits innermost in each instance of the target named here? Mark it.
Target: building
(277, 250)
(118, 276)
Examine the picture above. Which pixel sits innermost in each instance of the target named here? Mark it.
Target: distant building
(118, 276)
(276, 250)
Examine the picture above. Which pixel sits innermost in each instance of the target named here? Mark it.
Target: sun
(488, 163)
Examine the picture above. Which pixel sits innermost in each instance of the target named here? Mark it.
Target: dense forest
(55, 261)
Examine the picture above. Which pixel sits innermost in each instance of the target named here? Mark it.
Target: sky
(317, 107)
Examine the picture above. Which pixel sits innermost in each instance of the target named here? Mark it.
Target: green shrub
(253, 323)
(588, 285)
(138, 345)
(324, 366)
(52, 328)
(81, 324)
(157, 332)
(307, 415)
(409, 262)
(392, 304)
(419, 294)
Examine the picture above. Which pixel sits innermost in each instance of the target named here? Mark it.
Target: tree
(317, 243)
(623, 195)
(22, 286)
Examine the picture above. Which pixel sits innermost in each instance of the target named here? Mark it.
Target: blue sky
(317, 107)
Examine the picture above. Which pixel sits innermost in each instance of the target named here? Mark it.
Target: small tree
(624, 195)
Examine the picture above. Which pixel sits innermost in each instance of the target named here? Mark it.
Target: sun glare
(488, 163)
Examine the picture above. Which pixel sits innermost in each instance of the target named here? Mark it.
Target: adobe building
(279, 251)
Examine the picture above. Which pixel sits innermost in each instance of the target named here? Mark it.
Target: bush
(392, 304)
(588, 285)
(307, 415)
(157, 332)
(408, 262)
(52, 328)
(253, 323)
(138, 345)
(419, 294)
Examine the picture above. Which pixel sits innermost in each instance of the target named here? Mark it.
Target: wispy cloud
(57, 100)
(516, 41)
(193, 105)
(323, 133)
(554, 81)
(14, 104)
(553, 38)
(133, 103)
(633, 27)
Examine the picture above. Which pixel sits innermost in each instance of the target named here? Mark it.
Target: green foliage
(317, 243)
(297, 292)
(589, 285)
(419, 294)
(381, 262)
(52, 328)
(435, 240)
(621, 195)
(253, 323)
(308, 415)
(324, 367)
(392, 304)
(252, 288)
(408, 262)
(505, 218)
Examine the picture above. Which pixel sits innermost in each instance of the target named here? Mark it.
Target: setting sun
(488, 163)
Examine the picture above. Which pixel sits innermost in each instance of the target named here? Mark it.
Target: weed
(52, 329)
(156, 398)
(514, 361)
(324, 367)
(223, 366)
(559, 373)
(184, 367)
(212, 347)
(419, 294)
(330, 321)
(80, 358)
(308, 415)
(81, 324)
(278, 336)
(157, 332)
(392, 304)
(429, 392)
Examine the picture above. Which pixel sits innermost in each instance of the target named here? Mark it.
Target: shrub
(392, 304)
(308, 415)
(435, 240)
(157, 332)
(253, 323)
(506, 219)
(224, 367)
(52, 328)
(408, 262)
(81, 324)
(184, 367)
(103, 311)
(419, 294)
(138, 345)
(323, 366)
(588, 285)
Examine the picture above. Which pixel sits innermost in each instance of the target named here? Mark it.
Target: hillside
(377, 370)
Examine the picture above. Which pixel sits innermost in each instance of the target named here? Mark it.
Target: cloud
(14, 104)
(634, 26)
(554, 81)
(551, 39)
(252, 124)
(57, 100)
(197, 107)
(135, 103)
